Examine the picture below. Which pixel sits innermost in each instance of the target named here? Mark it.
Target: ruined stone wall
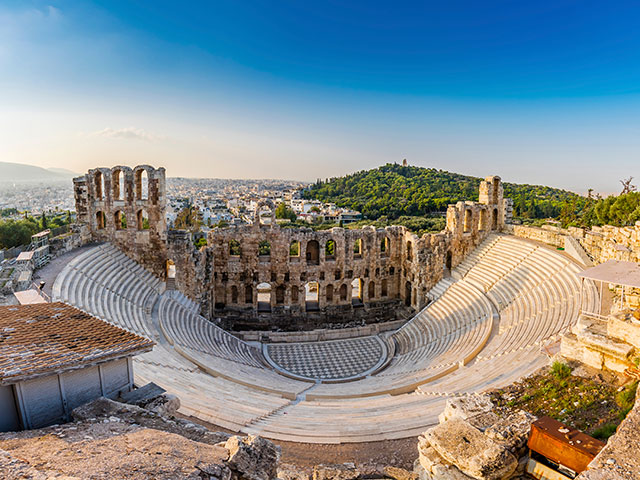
(257, 276)
(601, 243)
(292, 259)
(121, 206)
(363, 274)
(469, 223)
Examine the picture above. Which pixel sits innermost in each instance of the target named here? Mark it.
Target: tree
(626, 186)
(43, 221)
(284, 212)
(14, 233)
(188, 219)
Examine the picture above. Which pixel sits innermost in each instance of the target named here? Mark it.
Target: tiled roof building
(54, 357)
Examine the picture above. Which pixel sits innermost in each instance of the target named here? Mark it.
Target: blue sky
(537, 92)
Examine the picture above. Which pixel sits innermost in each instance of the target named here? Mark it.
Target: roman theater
(334, 336)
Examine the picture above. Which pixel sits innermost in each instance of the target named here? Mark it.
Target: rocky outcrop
(253, 458)
(116, 440)
(474, 453)
(474, 440)
(620, 458)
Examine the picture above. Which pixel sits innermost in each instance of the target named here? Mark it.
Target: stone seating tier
(486, 326)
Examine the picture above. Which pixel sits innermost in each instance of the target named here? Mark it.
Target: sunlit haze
(537, 92)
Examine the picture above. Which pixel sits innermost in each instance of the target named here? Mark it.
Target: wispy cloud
(127, 133)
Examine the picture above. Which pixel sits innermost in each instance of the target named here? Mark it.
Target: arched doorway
(311, 291)
(264, 297)
(356, 292)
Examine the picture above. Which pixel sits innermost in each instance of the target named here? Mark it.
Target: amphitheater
(486, 305)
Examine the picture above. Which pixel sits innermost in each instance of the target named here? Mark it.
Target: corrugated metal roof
(42, 338)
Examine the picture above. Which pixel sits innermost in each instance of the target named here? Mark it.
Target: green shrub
(626, 398)
(560, 370)
(605, 431)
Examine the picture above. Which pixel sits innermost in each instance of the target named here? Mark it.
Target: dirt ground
(398, 453)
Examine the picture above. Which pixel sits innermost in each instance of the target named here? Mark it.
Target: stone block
(570, 347)
(474, 453)
(466, 407)
(432, 466)
(624, 329)
(512, 431)
(592, 358)
(253, 457)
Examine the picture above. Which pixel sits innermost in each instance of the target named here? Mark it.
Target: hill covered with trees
(394, 190)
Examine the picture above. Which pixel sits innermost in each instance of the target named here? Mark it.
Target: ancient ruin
(262, 276)
(241, 324)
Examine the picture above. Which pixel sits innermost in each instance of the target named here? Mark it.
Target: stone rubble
(473, 441)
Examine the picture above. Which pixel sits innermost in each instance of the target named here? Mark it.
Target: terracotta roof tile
(41, 338)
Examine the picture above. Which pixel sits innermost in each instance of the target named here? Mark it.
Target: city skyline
(540, 94)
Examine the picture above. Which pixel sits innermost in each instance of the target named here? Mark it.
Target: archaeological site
(322, 338)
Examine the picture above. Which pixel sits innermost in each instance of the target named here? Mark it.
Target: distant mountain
(64, 171)
(19, 173)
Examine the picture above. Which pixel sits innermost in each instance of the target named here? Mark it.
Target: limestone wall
(601, 243)
(127, 207)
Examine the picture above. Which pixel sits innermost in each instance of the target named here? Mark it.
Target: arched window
(356, 291)
(384, 291)
(294, 294)
(357, 248)
(100, 220)
(264, 249)
(311, 296)
(372, 290)
(234, 294)
(280, 290)
(120, 220)
(142, 184)
(313, 252)
(264, 297)
(468, 220)
(448, 260)
(248, 294)
(482, 224)
(330, 250)
(117, 181)
(329, 293)
(409, 251)
(143, 220)
(294, 249)
(343, 292)
(99, 184)
(234, 248)
(494, 219)
(384, 247)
